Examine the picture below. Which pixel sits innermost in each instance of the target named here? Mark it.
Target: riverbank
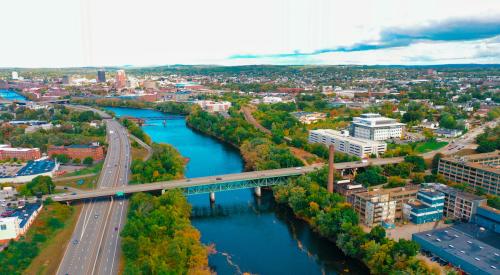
(263, 229)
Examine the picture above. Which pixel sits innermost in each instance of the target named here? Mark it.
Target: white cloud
(149, 32)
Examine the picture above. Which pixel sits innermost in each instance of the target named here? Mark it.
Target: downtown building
(478, 170)
(376, 127)
(347, 144)
(121, 79)
(101, 76)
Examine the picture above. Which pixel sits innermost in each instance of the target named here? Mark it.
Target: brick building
(23, 154)
(78, 151)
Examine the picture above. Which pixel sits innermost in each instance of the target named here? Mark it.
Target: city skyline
(117, 33)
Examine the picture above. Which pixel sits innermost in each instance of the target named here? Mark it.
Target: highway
(94, 247)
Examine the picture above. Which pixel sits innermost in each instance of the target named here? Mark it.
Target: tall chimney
(331, 168)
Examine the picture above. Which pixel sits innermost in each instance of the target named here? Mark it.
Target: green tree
(39, 185)
(88, 161)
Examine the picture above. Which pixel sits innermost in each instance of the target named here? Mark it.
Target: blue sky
(59, 33)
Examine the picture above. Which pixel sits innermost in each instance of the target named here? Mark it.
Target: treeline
(174, 108)
(19, 254)
(259, 152)
(113, 102)
(336, 220)
(135, 130)
(166, 163)
(159, 238)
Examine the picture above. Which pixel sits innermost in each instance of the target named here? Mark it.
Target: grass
(430, 146)
(138, 152)
(53, 250)
(94, 169)
(88, 183)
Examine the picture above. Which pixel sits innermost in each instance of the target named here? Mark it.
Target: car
(65, 187)
(116, 228)
(73, 193)
(298, 168)
(96, 216)
(218, 178)
(75, 241)
(188, 180)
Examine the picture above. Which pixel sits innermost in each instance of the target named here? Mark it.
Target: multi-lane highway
(94, 247)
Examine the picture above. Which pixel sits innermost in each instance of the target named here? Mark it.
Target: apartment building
(347, 144)
(383, 205)
(376, 127)
(478, 170)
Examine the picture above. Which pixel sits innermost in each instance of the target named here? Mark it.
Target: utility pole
(331, 168)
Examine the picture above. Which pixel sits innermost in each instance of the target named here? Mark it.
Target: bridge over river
(212, 184)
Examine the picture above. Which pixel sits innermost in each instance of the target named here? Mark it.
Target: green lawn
(430, 146)
(94, 169)
(83, 183)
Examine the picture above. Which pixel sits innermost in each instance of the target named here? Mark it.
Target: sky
(74, 33)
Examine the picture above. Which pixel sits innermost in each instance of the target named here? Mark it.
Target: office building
(478, 170)
(121, 79)
(22, 154)
(383, 205)
(428, 207)
(346, 144)
(376, 127)
(15, 76)
(78, 151)
(66, 79)
(101, 76)
(465, 247)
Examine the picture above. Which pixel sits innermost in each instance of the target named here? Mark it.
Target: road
(94, 247)
(463, 142)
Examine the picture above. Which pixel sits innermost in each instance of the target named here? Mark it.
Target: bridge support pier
(212, 197)
(257, 191)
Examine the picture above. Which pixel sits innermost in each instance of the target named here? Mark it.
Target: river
(250, 234)
(11, 95)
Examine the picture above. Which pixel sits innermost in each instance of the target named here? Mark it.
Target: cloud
(461, 29)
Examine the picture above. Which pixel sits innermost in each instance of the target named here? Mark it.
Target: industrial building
(15, 223)
(428, 207)
(478, 170)
(458, 204)
(96, 152)
(376, 127)
(383, 205)
(466, 247)
(487, 217)
(23, 154)
(346, 144)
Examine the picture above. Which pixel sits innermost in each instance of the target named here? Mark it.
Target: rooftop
(338, 135)
(36, 167)
(462, 243)
(25, 213)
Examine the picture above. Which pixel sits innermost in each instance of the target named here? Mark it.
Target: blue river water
(11, 95)
(249, 234)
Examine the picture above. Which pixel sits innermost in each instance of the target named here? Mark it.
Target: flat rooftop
(471, 161)
(462, 244)
(36, 167)
(337, 135)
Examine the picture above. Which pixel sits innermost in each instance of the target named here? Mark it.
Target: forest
(165, 164)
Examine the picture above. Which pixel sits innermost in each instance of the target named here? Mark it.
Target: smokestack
(331, 168)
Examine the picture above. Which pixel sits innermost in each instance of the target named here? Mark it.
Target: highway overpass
(217, 183)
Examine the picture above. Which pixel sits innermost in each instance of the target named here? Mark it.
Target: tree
(88, 161)
(61, 158)
(418, 163)
(40, 185)
(447, 121)
(371, 176)
(435, 162)
(77, 161)
(377, 234)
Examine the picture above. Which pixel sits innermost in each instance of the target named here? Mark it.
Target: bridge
(212, 184)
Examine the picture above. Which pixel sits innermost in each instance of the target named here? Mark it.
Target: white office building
(346, 144)
(15, 76)
(376, 127)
